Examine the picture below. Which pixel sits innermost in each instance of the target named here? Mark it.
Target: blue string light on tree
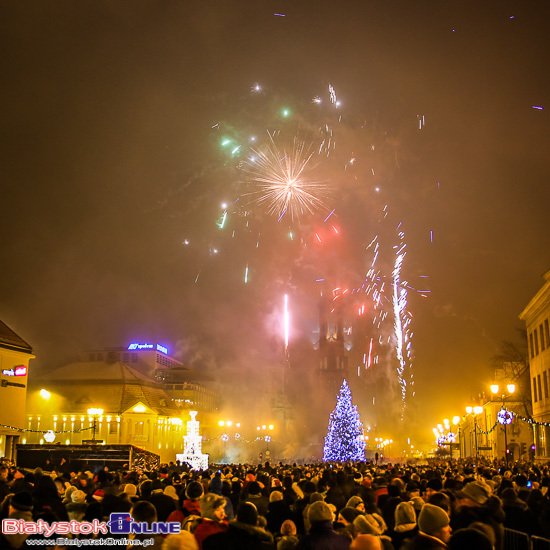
(345, 439)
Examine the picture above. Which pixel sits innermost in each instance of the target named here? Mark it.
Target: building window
(542, 346)
(535, 389)
(92, 356)
(531, 346)
(113, 427)
(535, 334)
(545, 381)
(126, 357)
(540, 387)
(134, 357)
(547, 332)
(178, 387)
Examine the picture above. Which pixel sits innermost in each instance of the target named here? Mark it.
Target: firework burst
(284, 180)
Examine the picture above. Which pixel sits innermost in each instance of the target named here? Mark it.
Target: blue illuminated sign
(148, 346)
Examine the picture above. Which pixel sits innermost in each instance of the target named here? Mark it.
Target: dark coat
(278, 511)
(240, 536)
(322, 536)
(425, 542)
(164, 505)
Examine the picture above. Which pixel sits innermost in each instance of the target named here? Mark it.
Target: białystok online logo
(119, 524)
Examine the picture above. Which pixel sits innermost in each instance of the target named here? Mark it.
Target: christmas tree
(344, 440)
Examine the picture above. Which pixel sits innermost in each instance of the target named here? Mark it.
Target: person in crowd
(242, 533)
(475, 503)
(163, 503)
(434, 530)
(405, 526)
(255, 497)
(322, 534)
(212, 517)
(289, 536)
(20, 507)
(277, 512)
(144, 512)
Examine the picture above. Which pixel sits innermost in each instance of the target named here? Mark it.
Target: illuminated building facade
(15, 355)
(129, 396)
(537, 319)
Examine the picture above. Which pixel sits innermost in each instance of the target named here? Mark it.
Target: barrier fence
(516, 540)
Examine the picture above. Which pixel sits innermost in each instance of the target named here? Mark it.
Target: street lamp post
(505, 417)
(474, 411)
(94, 413)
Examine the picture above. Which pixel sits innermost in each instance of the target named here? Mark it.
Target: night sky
(112, 117)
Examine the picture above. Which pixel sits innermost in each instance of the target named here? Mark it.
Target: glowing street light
(45, 394)
(94, 413)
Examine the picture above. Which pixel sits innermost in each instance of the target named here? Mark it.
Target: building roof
(9, 339)
(538, 302)
(114, 387)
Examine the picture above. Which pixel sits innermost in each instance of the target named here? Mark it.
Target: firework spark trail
(283, 179)
(401, 321)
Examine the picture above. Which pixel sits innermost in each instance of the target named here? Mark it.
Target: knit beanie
(368, 525)
(194, 490)
(404, 513)
(319, 511)
(170, 490)
(130, 489)
(78, 496)
(215, 485)
(432, 519)
(477, 491)
(354, 501)
(22, 501)
(209, 504)
(248, 513)
(349, 513)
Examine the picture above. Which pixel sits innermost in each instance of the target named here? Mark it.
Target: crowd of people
(356, 506)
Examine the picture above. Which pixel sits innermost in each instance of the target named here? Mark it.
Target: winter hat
(353, 502)
(349, 513)
(434, 484)
(404, 514)
(248, 513)
(209, 503)
(432, 519)
(315, 497)
(288, 527)
(99, 494)
(254, 488)
(130, 489)
(170, 490)
(369, 525)
(68, 492)
(477, 491)
(22, 501)
(182, 541)
(215, 485)
(418, 503)
(275, 496)
(78, 496)
(194, 490)
(319, 511)
(366, 542)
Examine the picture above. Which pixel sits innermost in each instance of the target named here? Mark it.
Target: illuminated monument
(192, 446)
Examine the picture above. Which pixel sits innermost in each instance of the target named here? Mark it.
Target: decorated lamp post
(504, 416)
(474, 411)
